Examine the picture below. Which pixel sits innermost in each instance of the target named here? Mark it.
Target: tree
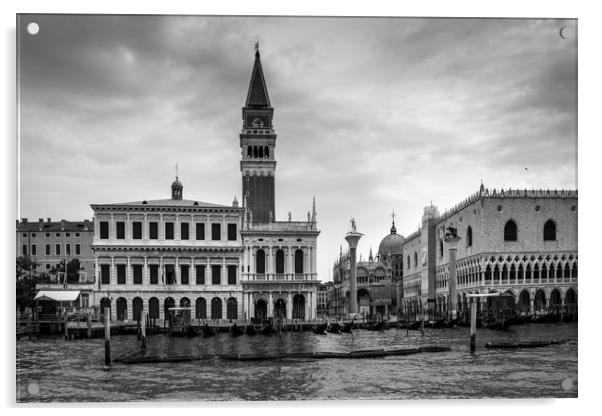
(25, 265)
(73, 267)
(26, 289)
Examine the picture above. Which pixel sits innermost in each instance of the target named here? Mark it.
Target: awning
(57, 295)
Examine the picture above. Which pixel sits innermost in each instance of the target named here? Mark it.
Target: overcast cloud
(372, 115)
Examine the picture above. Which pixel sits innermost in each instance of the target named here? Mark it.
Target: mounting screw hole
(33, 28)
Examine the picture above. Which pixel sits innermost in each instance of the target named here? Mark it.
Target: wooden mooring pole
(107, 336)
(89, 323)
(65, 324)
(473, 325)
(143, 329)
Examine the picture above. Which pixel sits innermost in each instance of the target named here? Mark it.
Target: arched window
(153, 308)
(415, 259)
(232, 308)
(510, 231)
(261, 151)
(249, 151)
(409, 264)
(185, 302)
(298, 261)
(201, 308)
(441, 248)
(168, 303)
(469, 236)
(260, 262)
(122, 309)
(266, 152)
(279, 261)
(549, 231)
(254, 151)
(216, 308)
(137, 306)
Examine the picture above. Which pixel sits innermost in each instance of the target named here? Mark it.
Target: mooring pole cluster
(107, 336)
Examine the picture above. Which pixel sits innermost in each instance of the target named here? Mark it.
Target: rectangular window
(169, 230)
(48, 249)
(121, 274)
(216, 275)
(216, 232)
(47, 266)
(137, 272)
(231, 232)
(34, 250)
(57, 234)
(24, 235)
(231, 275)
(184, 274)
(77, 234)
(154, 274)
(120, 230)
(153, 230)
(24, 251)
(105, 274)
(57, 249)
(67, 249)
(137, 230)
(77, 249)
(200, 274)
(200, 231)
(67, 234)
(104, 230)
(33, 235)
(47, 235)
(184, 231)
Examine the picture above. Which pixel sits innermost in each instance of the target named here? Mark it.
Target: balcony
(278, 277)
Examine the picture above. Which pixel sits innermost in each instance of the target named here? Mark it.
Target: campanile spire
(258, 142)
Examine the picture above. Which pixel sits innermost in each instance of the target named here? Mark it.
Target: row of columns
(309, 258)
(250, 302)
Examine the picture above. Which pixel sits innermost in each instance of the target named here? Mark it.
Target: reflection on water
(56, 370)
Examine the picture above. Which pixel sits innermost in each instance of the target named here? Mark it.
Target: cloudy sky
(372, 115)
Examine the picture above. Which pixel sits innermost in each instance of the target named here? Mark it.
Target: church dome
(391, 244)
(176, 189)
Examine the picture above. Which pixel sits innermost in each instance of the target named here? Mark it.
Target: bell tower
(257, 143)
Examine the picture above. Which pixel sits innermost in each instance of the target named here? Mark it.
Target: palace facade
(522, 243)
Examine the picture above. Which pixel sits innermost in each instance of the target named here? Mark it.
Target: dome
(176, 189)
(391, 244)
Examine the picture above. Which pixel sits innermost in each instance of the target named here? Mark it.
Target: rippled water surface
(57, 370)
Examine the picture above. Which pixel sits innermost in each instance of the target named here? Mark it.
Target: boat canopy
(58, 295)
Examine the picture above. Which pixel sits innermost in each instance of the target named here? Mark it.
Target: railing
(283, 225)
(278, 277)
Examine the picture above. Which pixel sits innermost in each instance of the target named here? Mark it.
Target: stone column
(177, 273)
(128, 226)
(113, 275)
(145, 228)
(145, 274)
(353, 238)
(128, 272)
(289, 307)
(161, 226)
(176, 226)
(251, 306)
(306, 296)
(269, 260)
(270, 306)
(112, 231)
(96, 272)
(452, 243)
(224, 274)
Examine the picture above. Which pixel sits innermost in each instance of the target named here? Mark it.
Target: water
(61, 371)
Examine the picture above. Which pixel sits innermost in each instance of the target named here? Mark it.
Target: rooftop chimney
(24, 220)
(40, 224)
(86, 225)
(62, 225)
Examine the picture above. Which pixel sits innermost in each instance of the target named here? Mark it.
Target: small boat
(236, 331)
(334, 328)
(250, 330)
(207, 331)
(346, 328)
(376, 326)
(320, 329)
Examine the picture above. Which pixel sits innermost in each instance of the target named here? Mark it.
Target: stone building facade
(155, 254)
(49, 243)
(518, 242)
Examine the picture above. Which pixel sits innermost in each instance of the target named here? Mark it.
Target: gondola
(236, 331)
(207, 331)
(414, 325)
(346, 328)
(320, 329)
(334, 328)
(250, 330)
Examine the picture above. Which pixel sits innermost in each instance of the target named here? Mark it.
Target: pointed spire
(370, 257)
(257, 96)
(393, 229)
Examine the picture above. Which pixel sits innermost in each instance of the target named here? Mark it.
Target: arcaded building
(522, 243)
(155, 254)
(280, 277)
